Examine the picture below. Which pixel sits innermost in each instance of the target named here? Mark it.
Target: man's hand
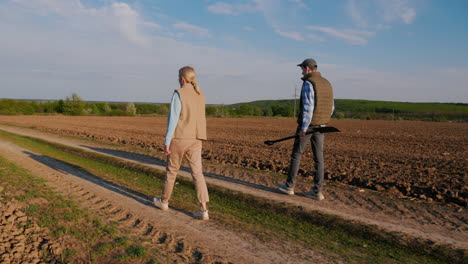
(167, 150)
(302, 133)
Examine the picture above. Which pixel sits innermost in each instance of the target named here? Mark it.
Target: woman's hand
(167, 150)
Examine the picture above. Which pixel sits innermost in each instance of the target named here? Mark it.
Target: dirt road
(437, 222)
(177, 233)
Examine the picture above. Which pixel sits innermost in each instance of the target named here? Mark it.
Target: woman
(186, 129)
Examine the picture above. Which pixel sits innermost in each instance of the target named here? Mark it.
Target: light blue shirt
(308, 97)
(173, 117)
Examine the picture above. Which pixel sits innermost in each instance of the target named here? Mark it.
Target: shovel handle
(327, 129)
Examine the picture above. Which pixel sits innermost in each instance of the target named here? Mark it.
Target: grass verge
(84, 238)
(270, 221)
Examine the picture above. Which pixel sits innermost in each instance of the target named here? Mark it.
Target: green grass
(269, 221)
(63, 218)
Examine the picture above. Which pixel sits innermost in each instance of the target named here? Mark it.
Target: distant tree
(95, 109)
(163, 110)
(257, 111)
(244, 110)
(221, 111)
(146, 108)
(107, 109)
(338, 115)
(49, 107)
(25, 108)
(210, 110)
(7, 106)
(74, 105)
(282, 110)
(131, 109)
(268, 112)
(37, 108)
(60, 107)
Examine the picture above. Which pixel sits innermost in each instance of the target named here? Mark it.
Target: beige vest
(192, 121)
(323, 99)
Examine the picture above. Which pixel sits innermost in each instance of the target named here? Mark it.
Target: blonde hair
(188, 74)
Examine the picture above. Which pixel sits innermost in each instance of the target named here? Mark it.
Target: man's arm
(307, 94)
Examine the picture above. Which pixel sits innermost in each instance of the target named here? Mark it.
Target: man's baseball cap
(311, 63)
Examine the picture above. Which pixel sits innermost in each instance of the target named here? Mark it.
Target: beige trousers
(190, 149)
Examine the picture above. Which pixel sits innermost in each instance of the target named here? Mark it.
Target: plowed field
(420, 159)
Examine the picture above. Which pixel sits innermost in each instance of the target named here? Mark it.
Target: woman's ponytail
(195, 86)
(188, 73)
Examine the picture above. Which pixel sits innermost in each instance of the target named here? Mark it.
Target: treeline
(244, 110)
(362, 109)
(344, 109)
(74, 105)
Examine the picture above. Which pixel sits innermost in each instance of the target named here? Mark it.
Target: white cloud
(368, 13)
(196, 30)
(298, 3)
(128, 20)
(47, 53)
(231, 9)
(51, 6)
(248, 28)
(298, 36)
(89, 52)
(356, 14)
(398, 10)
(360, 83)
(291, 35)
(354, 37)
(315, 38)
(115, 17)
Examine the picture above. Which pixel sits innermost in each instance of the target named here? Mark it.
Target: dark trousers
(316, 140)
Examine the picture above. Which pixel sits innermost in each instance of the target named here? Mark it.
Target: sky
(246, 50)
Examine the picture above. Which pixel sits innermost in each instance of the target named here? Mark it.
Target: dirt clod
(18, 244)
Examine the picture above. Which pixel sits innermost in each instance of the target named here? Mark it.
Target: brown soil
(425, 160)
(22, 240)
(441, 222)
(174, 232)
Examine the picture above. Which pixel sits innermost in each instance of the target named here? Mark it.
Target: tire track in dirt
(184, 239)
(143, 229)
(394, 212)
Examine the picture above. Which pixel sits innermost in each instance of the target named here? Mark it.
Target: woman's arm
(173, 118)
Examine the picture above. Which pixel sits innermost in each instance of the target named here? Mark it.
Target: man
(316, 108)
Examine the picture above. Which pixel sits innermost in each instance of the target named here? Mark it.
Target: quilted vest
(323, 99)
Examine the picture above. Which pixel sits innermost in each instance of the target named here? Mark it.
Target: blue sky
(394, 50)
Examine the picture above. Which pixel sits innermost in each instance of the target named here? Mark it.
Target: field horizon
(238, 103)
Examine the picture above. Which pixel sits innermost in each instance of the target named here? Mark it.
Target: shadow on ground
(79, 172)
(152, 161)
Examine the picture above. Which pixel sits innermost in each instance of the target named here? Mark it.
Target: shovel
(326, 129)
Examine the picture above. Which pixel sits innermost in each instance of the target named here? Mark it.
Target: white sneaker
(160, 204)
(314, 195)
(201, 215)
(282, 188)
